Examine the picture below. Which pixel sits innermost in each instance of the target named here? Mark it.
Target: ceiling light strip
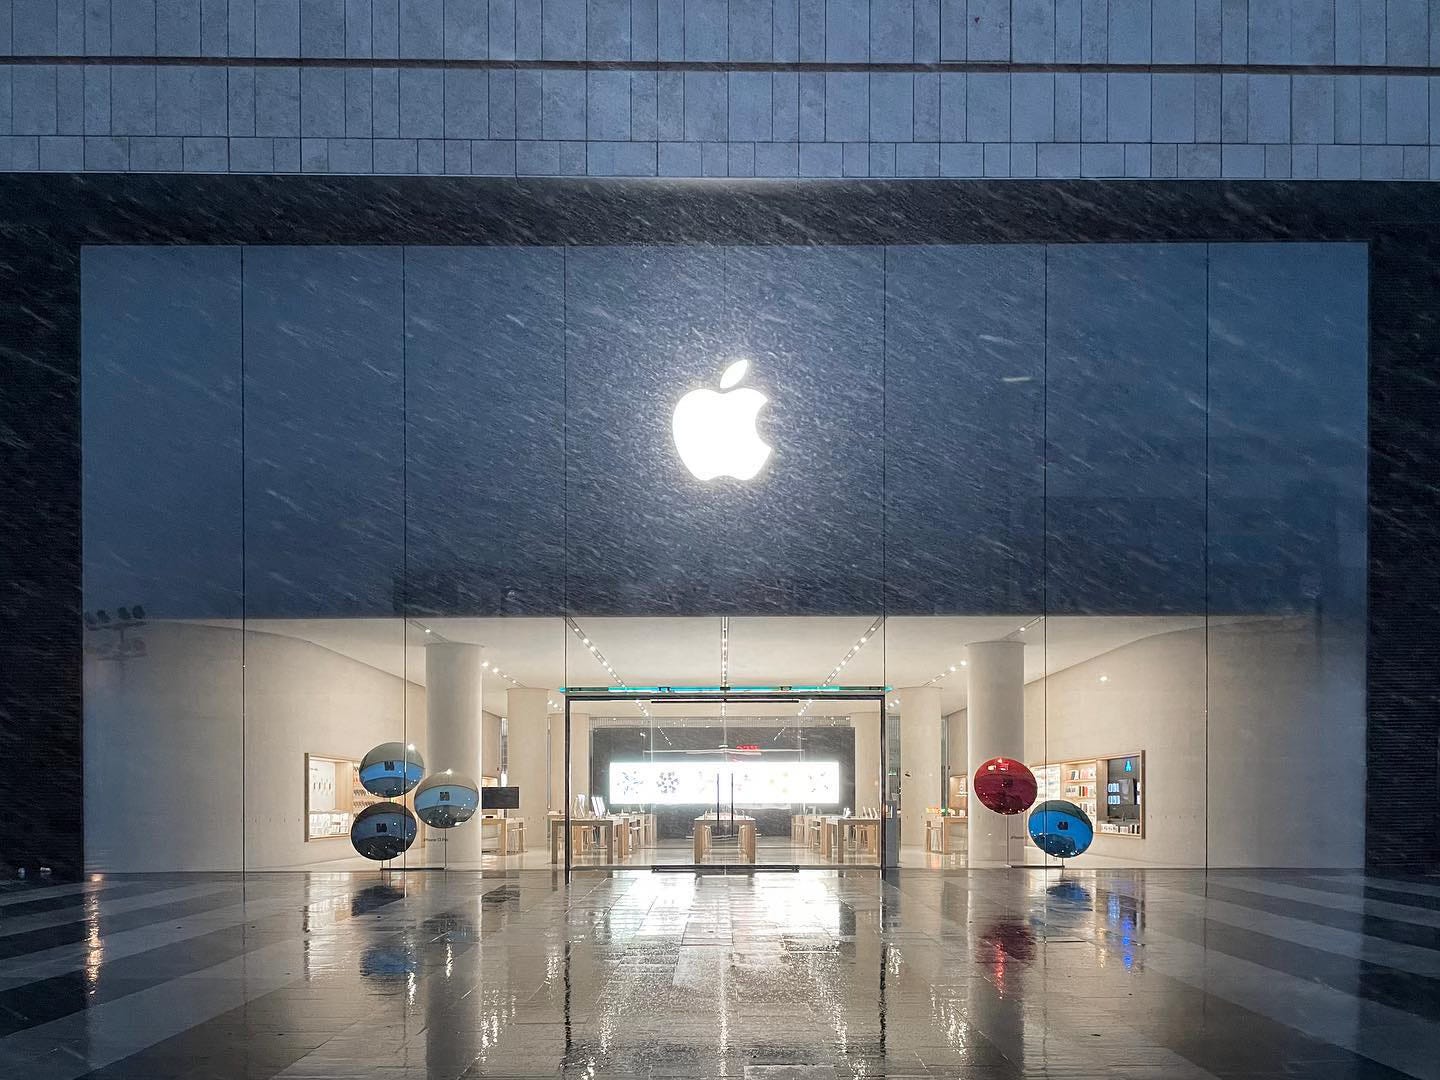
(849, 655)
(1008, 637)
(621, 686)
(431, 634)
(724, 662)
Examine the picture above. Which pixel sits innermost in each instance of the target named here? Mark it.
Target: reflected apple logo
(715, 432)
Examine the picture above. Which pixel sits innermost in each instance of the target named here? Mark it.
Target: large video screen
(755, 783)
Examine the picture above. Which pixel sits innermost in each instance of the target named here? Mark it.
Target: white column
(527, 737)
(957, 758)
(454, 718)
(920, 772)
(580, 758)
(995, 727)
(557, 760)
(867, 759)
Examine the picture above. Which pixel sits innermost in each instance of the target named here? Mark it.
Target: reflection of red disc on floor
(1004, 785)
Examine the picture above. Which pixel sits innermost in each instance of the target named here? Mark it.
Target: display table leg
(747, 843)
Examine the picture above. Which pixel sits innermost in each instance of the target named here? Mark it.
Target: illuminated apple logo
(715, 433)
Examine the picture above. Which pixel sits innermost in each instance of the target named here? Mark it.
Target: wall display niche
(1122, 812)
(333, 796)
(1078, 782)
(1109, 790)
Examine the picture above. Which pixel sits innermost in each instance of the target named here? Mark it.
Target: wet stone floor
(801, 976)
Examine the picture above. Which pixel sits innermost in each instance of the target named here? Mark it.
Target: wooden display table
(704, 826)
(830, 845)
(578, 827)
(865, 832)
(941, 825)
(509, 830)
(831, 833)
(620, 832)
(819, 832)
(800, 828)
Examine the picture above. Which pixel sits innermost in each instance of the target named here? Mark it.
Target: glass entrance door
(726, 779)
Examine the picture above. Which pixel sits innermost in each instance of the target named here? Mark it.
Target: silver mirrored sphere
(383, 831)
(391, 769)
(446, 799)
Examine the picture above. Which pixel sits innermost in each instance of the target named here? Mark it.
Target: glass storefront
(1099, 508)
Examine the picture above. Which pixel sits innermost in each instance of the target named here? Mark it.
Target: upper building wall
(1162, 88)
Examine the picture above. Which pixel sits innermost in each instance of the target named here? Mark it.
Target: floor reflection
(986, 974)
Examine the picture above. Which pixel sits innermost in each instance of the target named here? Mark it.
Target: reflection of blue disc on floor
(1061, 828)
(446, 799)
(391, 769)
(389, 961)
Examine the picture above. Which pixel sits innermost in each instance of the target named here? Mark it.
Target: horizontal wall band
(976, 67)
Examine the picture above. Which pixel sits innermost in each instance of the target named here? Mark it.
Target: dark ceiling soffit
(106, 208)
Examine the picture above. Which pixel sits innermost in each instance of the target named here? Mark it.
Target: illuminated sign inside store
(715, 432)
(694, 783)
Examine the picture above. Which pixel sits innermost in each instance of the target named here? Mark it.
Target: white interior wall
(166, 752)
(867, 761)
(163, 743)
(1286, 747)
(490, 745)
(956, 746)
(1153, 700)
(1254, 742)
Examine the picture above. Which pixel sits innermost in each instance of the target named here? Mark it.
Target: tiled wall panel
(728, 87)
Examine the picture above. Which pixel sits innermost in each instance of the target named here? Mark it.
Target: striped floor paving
(991, 974)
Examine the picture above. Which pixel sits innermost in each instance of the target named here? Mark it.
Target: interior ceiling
(905, 651)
